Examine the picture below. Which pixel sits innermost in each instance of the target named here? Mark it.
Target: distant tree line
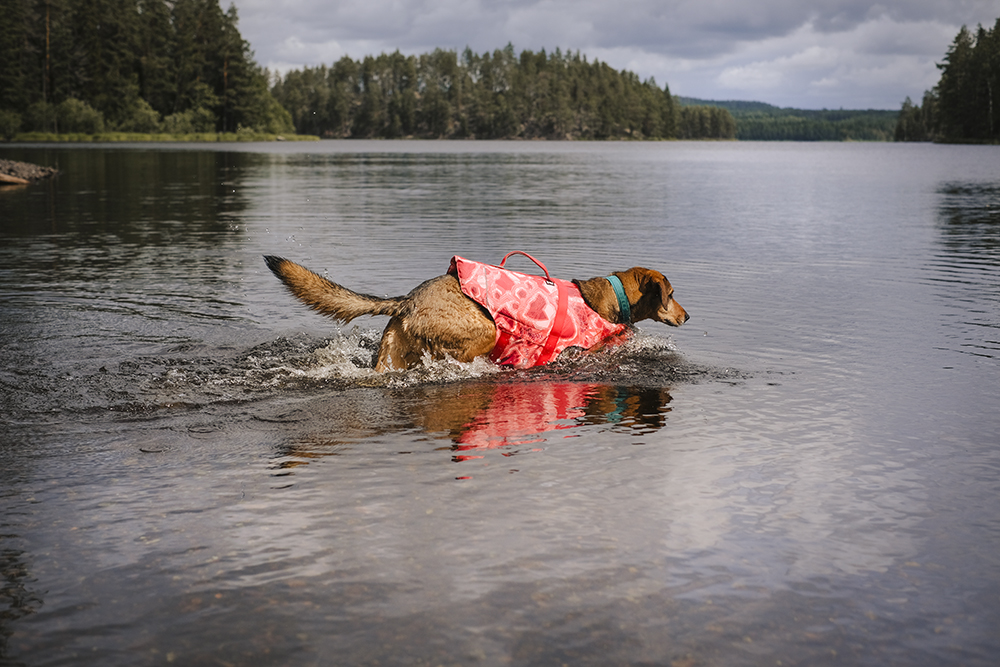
(757, 121)
(809, 125)
(964, 106)
(498, 95)
(87, 66)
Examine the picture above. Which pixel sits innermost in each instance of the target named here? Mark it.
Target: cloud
(849, 53)
(876, 64)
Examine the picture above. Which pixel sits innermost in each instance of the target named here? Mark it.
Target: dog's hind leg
(399, 350)
(404, 348)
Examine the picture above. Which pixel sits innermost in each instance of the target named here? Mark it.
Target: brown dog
(437, 318)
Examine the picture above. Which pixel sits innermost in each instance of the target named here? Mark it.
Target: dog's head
(652, 296)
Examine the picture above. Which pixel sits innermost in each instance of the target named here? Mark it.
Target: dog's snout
(674, 314)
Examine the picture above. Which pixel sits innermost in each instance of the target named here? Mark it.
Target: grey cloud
(680, 28)
(686, 43)
(841, 15)
(705, 28)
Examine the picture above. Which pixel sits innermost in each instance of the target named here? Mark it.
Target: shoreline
(13, 172)
(138, 137)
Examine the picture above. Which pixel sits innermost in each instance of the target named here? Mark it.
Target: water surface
(196, 469)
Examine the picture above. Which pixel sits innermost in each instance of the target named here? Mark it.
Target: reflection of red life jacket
(520, 414)
(536, 318)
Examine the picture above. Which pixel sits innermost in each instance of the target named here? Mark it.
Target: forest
(176, 68)
(498, 95)
(964, 106)
(143, 66)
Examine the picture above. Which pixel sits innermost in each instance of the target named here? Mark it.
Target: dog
(438, 318)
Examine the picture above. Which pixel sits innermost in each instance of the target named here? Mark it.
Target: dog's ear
(654, 288)
(663, 287)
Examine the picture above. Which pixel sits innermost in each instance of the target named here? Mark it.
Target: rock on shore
(21, 173)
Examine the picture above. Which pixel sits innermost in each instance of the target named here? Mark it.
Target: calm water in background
(196, 469)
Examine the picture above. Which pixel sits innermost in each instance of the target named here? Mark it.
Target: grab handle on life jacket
(540, 265)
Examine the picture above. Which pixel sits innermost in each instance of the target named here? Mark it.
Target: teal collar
(624, 309)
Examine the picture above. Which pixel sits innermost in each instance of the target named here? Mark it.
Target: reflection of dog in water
(439, 319)
(521, 414)
(481, 416)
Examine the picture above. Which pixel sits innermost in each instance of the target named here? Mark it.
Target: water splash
(198, 376)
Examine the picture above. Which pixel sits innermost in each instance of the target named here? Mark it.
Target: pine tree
(156, 68)
(968, 94)
(15, 54)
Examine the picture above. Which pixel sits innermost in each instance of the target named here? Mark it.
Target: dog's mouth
(670, 320)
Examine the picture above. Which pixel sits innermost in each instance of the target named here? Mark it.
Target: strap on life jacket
(549, 351)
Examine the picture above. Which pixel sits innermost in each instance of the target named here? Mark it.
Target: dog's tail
(328, 297)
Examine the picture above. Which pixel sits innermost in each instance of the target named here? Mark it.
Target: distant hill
(759, 121)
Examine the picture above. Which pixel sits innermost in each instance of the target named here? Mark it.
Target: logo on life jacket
(536, 318)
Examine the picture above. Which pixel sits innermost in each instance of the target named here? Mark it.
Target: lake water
(196, 469)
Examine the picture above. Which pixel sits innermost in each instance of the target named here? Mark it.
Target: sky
(820, 54)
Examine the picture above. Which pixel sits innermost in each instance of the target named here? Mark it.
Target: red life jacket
(536, 318)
